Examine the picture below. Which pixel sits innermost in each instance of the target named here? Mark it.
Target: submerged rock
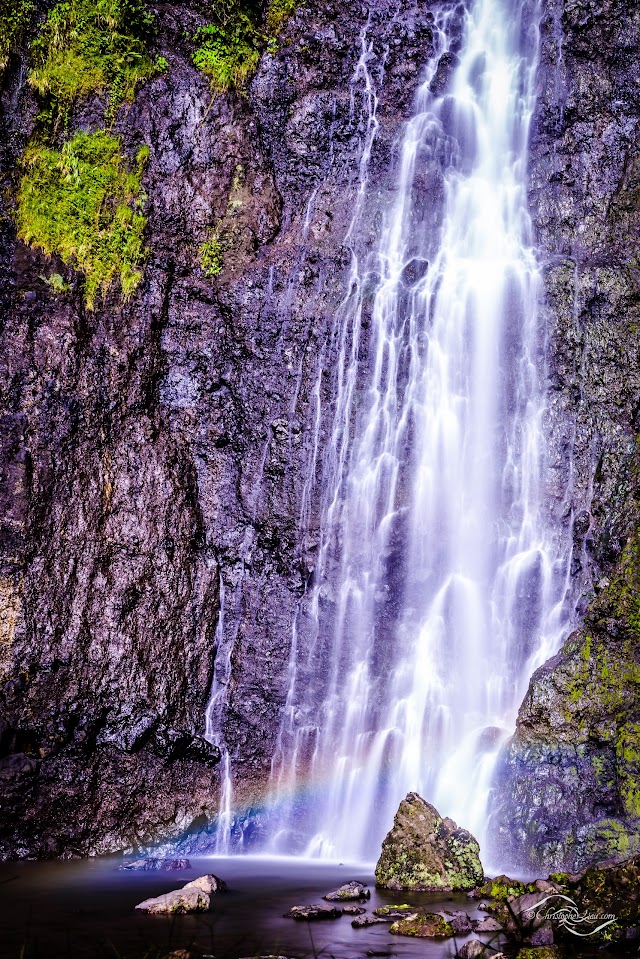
(314, 911)
(426, 852)
(141, 865)
(350, 890)
(427, 925)
(353, 910)
(488, 924)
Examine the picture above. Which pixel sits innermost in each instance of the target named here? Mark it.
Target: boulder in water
(426, 852)
(349, 891)
(460, 922)
(209, 883)
(176, 903)
(474, 949)
(423, 925)
(488, 924)
(195, 896)
(314, 911)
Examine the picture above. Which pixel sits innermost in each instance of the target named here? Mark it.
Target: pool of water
(84, 909)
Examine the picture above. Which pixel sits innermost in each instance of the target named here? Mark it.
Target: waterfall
(441, 582)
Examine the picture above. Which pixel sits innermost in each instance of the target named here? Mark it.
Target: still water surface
(85, 910)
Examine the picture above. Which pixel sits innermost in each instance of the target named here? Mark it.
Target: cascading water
(440, 583)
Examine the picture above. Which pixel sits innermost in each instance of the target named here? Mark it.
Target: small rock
(209, 883)
(547, 887)
(316, 911)
(473, 949)
(395, 912)
(460, 922)
(176, 903)
(542, 936)
(428, 925)
(350, 890)
(368, 920)
(353, 910)
(488, 924)
(169, 865)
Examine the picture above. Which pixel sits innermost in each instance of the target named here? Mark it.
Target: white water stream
(440, 582)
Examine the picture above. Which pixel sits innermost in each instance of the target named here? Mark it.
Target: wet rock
(362, 922)
(353, 910)
(395, 912)
(543, 936)
(350, 890)
(460, 922)
(488, 924)
(500, 888)
(209, 883)
(176, 903)
(444, 72)
(428, 925)
(414, 271)
(473, 950)
(168, 865)
(313, 912)
(569, 777)
(425, 851)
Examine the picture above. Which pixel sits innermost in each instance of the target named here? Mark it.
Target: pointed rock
(427, 852)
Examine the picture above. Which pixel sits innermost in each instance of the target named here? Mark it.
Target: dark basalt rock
(566, 793)
(149, 449)
(444, 71)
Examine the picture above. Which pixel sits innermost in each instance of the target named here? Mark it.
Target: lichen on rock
(427, 852)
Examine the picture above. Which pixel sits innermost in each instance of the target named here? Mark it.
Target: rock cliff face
(154, 452)
(568, 789)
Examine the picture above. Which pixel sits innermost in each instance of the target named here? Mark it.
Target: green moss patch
(83, 204)
(91, 47)
(428, 925)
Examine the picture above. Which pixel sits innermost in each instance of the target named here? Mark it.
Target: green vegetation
(212, 254)
(229, 47)
(14, 16)
(88, 47)
(428, 925)
(228, 54)
(83, 204)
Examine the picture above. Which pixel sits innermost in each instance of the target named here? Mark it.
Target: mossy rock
(539, 952)
(427, 925)
(501, 888)
(424, 851)
(395, 912)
